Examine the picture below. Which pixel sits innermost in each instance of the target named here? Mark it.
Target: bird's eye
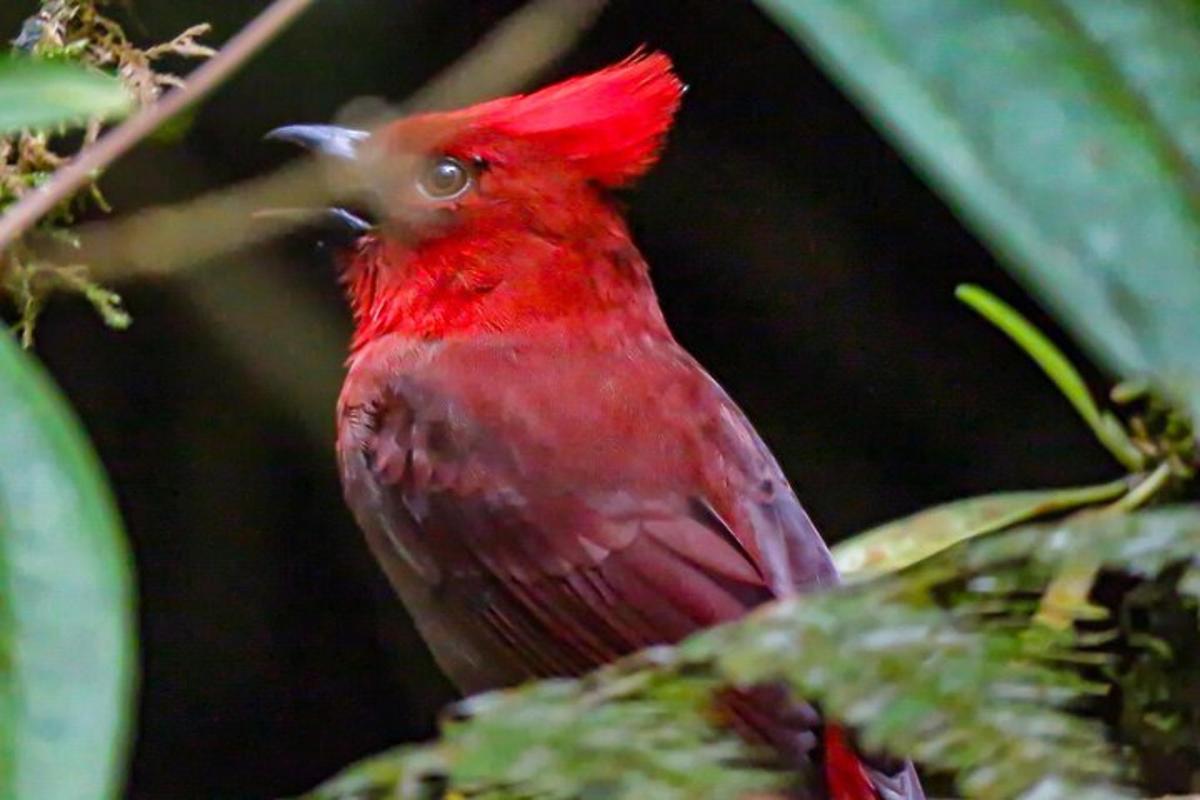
(444, 179)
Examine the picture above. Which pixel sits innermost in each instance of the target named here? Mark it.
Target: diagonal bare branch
(23, 216)
(162, 240)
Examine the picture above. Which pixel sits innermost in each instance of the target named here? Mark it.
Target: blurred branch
(291, 349)
(165, 239)
(80, 171)
(510, 55)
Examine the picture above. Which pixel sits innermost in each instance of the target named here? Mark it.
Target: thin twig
(164, 239)
(510, 55)
(68, 180)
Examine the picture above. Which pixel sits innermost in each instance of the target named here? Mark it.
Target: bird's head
(497, 217)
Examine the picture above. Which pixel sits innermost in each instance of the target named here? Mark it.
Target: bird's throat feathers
(502, 277)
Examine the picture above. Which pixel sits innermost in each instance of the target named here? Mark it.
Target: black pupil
(446, 177)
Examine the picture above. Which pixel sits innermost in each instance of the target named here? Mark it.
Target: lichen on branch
(74, 30)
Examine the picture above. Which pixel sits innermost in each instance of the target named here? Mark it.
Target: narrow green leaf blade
(901, 543)
(66, 600)
(1066, 132)
(1040, 349)
(1056, 367)
(44, 94)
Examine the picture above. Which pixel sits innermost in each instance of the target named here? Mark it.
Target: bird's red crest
(610, 124)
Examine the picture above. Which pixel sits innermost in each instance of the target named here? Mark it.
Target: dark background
(795, 254)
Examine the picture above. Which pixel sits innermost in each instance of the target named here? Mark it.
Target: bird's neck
(497, 279)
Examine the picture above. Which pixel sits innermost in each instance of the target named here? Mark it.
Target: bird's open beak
(336, 142)
(329, 140)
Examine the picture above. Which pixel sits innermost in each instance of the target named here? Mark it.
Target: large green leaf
(66, 600)
(1066, 132)
(41, 94)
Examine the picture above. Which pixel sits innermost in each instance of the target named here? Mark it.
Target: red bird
(549, 480)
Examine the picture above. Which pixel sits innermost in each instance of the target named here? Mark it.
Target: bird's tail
(847, 777)
(794, 729)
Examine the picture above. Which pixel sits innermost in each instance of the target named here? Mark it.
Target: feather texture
(610, 124)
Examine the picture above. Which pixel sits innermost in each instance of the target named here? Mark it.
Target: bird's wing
(592, 504)
(582, 508)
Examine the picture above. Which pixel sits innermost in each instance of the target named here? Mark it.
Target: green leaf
(45, 94)
(970, 690)
(1065, 132)
(371, 777)
(1105, 426)
(913, 679)
(1142, 544)
(1056, 366)
(625, 733)
(963, 690)
(66, 600)
(903, 542)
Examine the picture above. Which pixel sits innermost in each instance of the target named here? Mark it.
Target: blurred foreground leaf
(624, 733)
(903, 542)
(1065, 132)
(66, 600)
(43, 94)
(969, 689)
